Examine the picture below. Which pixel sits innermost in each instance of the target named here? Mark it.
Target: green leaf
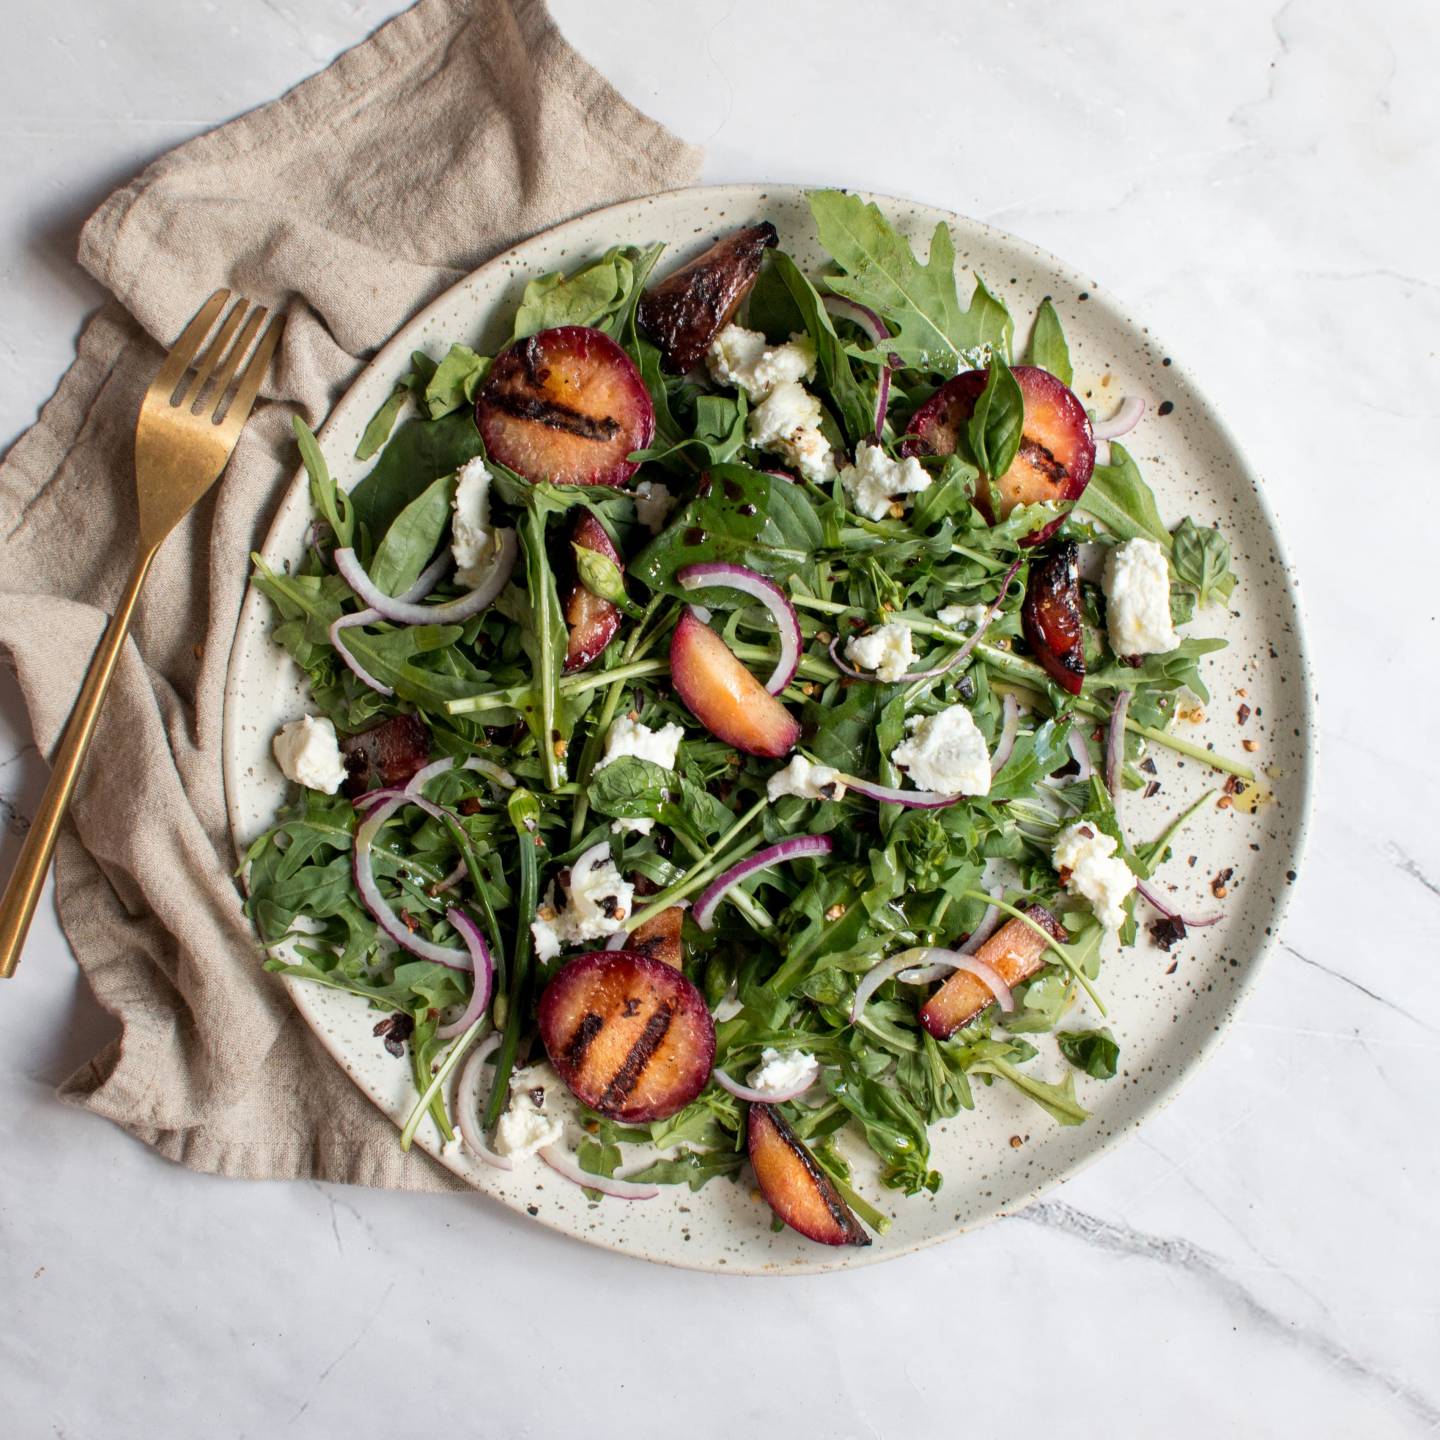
(690, 1167)
(419, 453)
(998, 420)
(1158, 672)
(1047, 347)
(602, 294)
(455, 381)
(630, 789)
(600, 575)
(1058, 1101)
(1118, 497)
(1201, 560)
(412, 537)
(333, 503)
(929, 328)
(1093, 1051)
(382, 422)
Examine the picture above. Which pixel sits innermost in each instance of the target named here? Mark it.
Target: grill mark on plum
(556, 416)
(641, 1053)
(1041, 459)
(839, 1211)
(589, 1027)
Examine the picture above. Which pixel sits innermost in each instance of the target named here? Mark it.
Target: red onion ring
(406, 612)
(1115, 746)
(721, 576)
(379, 908)
(935, 962)
(467, 1115)
(1010, 708)
(489, 768)
(989, 921)
(614, 1186)
(1171, 914)
(1126, 417)
(429, 578)
(1081, 753)
(994, 981)
(877, 975)
(876, 329)
(763, 1097)
(781, 475)
(886, 795)
(714, 893)
(484, 964)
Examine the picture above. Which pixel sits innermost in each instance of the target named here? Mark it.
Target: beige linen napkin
(454, 131)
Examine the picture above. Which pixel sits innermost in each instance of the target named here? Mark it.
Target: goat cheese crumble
(653, 504)
(746, 359)
(787, 423)
(1137, 599)
(874, 480)
(780, 1071)
(968, 616)
(888, 651)
(1086, 861)
(808, 781)
(945, 752)
(307, 752)
(471, 538)
(598, 900)
(526, 1126)
(627, 736)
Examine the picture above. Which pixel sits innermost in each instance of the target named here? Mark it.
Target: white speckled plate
(1167, 1010)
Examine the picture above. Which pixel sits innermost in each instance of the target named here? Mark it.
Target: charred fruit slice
(686, 310)
(386, 754)
(566, 405)
(1015, 950)
(659, 938)
(629, 1034)
(724, 696)
(794, 1185)
(1057, 448)
(1051, 615)
(593, 620)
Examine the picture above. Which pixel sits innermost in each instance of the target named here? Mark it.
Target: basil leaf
(1201, 560)
(1093, 1051)
(997, 423)
(630, 789)
(1047, 347)
(1118, 497)
(455, 381)
(419, 453)
(412, 537)
(929, 329)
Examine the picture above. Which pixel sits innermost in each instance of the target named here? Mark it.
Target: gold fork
(189, 423)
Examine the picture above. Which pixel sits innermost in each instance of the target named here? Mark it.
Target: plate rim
(1297, 836)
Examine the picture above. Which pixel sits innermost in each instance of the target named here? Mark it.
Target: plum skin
(593, 620)
(794, 1185)
(1051, 615)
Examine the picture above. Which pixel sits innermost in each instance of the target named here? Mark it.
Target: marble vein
(1410, 867)
(359, 1336)
(1356, 985)
(1209, 1270)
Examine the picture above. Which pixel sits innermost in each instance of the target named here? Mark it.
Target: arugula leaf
(1118, 497)
(455, 381)
(1158, 672)
(419, 453)
(1201, 560)
(412, 537)
(1093, 1051)
(327, 497)
(929, 329)
(1047, 347)
(691, 1167)
(994, 428)
(1058, 1101)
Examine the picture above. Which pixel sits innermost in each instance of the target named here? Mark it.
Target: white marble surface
(1263, 184)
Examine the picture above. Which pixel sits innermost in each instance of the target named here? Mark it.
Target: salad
(734, 708)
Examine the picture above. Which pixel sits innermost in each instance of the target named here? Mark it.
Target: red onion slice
(720, 576)
(614, 1186)
(467, 1105)
(924, 964)
(763, 1097)
(1150, 897)
(886, 795)
(1010, 708)
(784, 475)
(989, 921)
(500, 776)
(379, 908)
(877, 975)
(715, 892)
(451, 880)
(1126, 417)
(484, 964)
(405, 612)
(876, 329)
(1081, 754)
(345, 622)
(1115, 746)
(994, 981)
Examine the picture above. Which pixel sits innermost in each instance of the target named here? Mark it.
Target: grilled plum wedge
(386, 754)
(566, 405)
(629, 1034)
(1057, 448)
(794, 1185)
(686, 310)
(592, 619)
(1051, 615)
(724, 696)
(659, 938)
(1015, 950)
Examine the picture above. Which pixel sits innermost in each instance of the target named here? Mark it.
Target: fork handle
(17, 908)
